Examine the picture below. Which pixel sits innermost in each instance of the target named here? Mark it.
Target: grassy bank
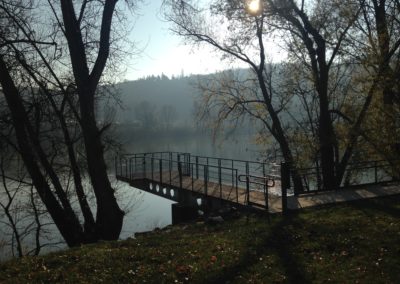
(358, 242)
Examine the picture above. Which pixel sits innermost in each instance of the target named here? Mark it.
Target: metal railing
(182, 174)
(356, 174)
(264, 181)
(196, 173)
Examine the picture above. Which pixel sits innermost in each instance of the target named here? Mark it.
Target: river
(152, 211)
(145, 211)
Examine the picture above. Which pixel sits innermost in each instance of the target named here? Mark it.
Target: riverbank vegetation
(355, 242)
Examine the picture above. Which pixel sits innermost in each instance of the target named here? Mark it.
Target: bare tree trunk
(109, 217)
(64, 218)
(388, 80)
(326, 136)
(316, 48)
(279, 134)
(37, 221)
(7, 212)
(89, 222)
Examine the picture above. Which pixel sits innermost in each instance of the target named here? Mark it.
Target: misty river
(145, 211)
(152, 211)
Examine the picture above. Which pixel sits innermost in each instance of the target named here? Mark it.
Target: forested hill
(158, 98)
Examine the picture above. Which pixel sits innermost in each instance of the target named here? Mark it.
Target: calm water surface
(145, 211)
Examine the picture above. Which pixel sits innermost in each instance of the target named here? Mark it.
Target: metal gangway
(192, 179)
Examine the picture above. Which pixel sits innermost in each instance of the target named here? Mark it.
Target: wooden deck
(225, 190)
(234, 181)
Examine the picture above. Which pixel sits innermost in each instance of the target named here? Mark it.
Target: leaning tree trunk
(279, 135)
(109, 216)
(63, 217)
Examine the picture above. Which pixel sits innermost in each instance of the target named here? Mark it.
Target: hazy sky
(163, 51)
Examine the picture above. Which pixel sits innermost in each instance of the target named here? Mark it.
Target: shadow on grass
(278, 241)
(275, 241)
(379, 204)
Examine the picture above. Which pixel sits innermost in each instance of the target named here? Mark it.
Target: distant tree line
(150, 117)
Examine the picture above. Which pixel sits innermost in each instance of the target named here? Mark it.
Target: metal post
(120, 166)
(191, 174)
(161, 173)
(135, 163)
(219, 178)
(152, 167)
(247, 200)
(285, 184)
(197, 167)
(247, 183)
(180, 174)
(233, 181)
(170, 172)
(130, 168)
(187, 165)
(237, 190)
(126, 168)
(144, 165)
(319, 182)
(205, 179)
(265, 187)
(116, 165)
(237, 193)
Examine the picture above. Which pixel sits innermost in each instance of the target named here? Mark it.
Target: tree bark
(388, 79)
(109, 217)
(64, 219)
(279, 135)
(326, 134)
(320, 69)
(277, 130)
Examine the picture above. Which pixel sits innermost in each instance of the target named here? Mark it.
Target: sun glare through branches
(254, 7)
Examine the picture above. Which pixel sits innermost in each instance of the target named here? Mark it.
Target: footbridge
(205, 183)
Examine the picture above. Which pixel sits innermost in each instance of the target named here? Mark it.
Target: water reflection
(235, 147)
(145, 211)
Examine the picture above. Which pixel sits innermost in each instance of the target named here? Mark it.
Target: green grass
(357, 242)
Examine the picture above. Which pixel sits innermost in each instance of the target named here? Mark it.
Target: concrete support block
(183, 213)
